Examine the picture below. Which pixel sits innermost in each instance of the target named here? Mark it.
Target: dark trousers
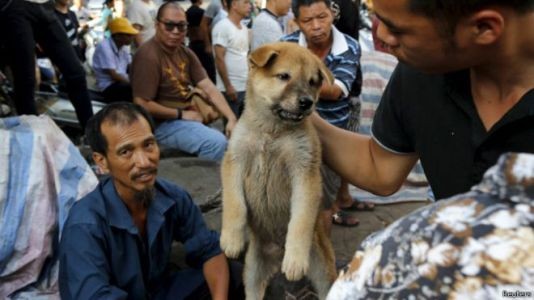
(190, 284)
(237, 106)
(24, 24)
(206, 59)
(118, 91)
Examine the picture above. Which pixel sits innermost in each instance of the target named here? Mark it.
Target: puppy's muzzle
(302, 108)
(305, 103)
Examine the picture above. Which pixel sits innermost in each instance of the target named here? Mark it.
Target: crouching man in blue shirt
(116, 242)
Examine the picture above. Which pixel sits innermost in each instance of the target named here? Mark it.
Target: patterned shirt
(344, 61)
(477, 245)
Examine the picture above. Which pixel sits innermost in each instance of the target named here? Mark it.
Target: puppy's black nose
(305, 102)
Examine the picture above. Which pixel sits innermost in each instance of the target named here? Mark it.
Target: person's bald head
(171, 25)
(168, 6)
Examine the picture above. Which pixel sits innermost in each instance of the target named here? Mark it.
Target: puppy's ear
(326, 74)
(262, 56)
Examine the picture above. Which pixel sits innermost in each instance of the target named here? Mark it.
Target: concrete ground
(201, 178)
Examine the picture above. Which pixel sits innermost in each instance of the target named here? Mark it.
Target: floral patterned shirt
(478, 245)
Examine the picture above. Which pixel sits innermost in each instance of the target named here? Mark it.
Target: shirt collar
(270, 13)
(118, 214)
(339, 43)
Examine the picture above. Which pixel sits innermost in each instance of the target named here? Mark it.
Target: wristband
(179, 116)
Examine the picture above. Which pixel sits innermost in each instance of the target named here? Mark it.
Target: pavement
(201, 178)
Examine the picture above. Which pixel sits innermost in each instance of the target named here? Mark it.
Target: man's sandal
(359, 206)
(342, 218)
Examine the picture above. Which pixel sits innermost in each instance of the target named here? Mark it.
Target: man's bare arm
(217, 276)
(330, 92)
(161, 112)
(116, 76)
(218, 100)
(361, 160)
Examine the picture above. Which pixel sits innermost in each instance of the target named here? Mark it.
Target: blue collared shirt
(343, 61)
(106, 57)
(102, 255)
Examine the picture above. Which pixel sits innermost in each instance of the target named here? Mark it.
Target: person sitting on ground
(341, 54)
(268, 26)
(111, 61)
(117, 240)
(477, 245)
(163, 75)
(462, 95)
(230, 47)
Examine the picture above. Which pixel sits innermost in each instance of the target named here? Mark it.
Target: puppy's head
(284, 81)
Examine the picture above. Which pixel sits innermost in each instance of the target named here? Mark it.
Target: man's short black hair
(124, 113)
(296, 4)
(227, 4)
(165, 5)
(451, 11)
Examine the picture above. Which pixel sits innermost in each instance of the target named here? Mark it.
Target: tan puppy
(271, 173)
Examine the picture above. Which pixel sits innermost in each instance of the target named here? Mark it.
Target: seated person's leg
(236, 105)
(192, 137)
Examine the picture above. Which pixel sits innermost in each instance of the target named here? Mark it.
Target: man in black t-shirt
(196, 38)
(462, 94)
(69, 21)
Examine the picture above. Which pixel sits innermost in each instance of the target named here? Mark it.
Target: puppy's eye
(283, 76)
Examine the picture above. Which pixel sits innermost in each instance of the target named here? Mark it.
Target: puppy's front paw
(232, 242)
(295, 266)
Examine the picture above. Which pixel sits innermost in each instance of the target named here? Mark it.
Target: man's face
(132, 157)
(241, 7)
(122, 39)
(282, 7)
(315, 21)
(171, 28)
(415, 39)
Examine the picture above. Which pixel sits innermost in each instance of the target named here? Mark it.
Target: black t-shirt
(435, 117)
(346, 17)
(70, 23)
(194, 15)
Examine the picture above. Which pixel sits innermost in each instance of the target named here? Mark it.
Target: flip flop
(342, 218)
(359, 206)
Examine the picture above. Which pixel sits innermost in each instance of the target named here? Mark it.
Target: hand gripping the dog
(271, 174)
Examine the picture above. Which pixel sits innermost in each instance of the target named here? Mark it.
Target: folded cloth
(42, 175)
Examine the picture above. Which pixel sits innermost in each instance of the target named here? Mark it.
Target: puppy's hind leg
(322, 272)
(259, 268)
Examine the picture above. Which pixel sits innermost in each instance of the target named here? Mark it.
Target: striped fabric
(41, 175)
(376, 71)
